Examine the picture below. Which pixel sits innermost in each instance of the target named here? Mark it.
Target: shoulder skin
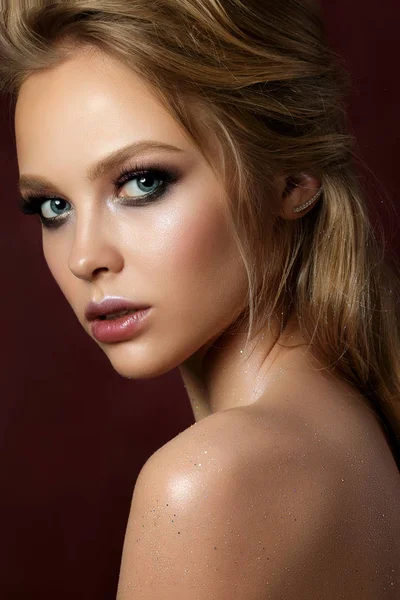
(231, 508)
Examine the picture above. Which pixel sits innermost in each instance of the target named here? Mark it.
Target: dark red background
(73, 433)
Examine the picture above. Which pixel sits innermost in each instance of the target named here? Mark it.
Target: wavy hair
(261, 78)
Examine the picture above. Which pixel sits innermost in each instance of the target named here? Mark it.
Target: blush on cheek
(201, 240)
(201, 257)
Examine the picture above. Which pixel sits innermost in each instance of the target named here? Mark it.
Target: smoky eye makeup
(152, 180)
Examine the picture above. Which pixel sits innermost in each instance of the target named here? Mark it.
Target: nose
(94, 250)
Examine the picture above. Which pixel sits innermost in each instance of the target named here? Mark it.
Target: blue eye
(153, 182)
(146, 181)
(53, 204)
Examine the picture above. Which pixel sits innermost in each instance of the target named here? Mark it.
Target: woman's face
(174, 253)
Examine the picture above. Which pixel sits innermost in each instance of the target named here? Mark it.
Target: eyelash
(31, 205)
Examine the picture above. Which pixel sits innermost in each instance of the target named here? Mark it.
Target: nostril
(99, 269)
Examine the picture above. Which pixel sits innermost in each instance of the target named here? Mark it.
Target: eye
(53, 207)
(152, 184)
(146, 183)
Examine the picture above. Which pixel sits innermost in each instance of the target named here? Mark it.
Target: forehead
(90, 99)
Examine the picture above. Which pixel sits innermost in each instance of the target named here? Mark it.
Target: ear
(296, 191)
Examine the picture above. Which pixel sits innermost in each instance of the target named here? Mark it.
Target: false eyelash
(165, 174)
(31, 205)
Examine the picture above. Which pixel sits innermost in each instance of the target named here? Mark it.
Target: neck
(226, 374)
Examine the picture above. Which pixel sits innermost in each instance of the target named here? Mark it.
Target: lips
(122, 329)
(112, 306)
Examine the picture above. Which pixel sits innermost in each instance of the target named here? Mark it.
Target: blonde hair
(260, 78)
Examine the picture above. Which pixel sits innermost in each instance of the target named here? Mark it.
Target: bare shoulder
(235, 507)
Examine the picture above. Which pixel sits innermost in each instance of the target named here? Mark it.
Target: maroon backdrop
(73, 433)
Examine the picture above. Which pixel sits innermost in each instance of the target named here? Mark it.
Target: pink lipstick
(119, 329)
(116, 319)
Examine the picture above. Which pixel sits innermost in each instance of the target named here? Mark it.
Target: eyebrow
(104, 165)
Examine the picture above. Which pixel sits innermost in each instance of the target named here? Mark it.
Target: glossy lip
(110, 305)
(120, 329)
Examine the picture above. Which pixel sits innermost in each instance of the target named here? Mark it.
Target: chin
(139, 365)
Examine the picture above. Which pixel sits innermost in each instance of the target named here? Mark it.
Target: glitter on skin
(261, 441)
(203, 522)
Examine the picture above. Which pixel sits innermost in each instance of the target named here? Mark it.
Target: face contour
(175, 253)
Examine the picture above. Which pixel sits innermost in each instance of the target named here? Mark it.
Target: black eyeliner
(31, 204)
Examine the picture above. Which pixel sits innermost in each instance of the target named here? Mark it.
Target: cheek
(56, 256)
(50, 252)
(198, 257)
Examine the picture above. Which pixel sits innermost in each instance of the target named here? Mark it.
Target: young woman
(191, 168)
